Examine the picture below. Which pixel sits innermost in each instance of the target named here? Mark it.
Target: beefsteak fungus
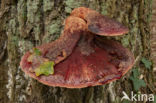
(78, 59)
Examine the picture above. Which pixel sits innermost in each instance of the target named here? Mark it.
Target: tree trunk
(27, 23)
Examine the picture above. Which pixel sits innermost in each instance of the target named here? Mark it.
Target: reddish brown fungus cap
(81, 61)
(109, 62)
(103, 25)
(99, 24)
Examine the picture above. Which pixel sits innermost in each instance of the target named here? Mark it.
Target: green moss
(33, 14)
(47, 5)
(68, 9)
(24, 46)
(54, 28)
(13, 33)
(12, 23)
(104, 9)
(71, 4)
(34, 18)
(125, 41)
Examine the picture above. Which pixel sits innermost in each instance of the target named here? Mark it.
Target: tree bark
(28, 23)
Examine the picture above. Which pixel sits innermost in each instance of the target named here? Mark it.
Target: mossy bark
(27, 23)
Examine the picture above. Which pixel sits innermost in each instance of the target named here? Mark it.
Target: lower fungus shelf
(79, 70)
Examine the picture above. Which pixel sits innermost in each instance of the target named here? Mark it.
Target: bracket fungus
(78, 59)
